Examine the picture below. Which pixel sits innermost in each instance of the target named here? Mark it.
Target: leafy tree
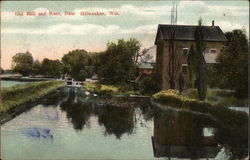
(1, 70)
(95, 59)
(78, 64)
(36, 68)
(117, 64)
(51, 68)
(22, 63)
(197, 63)
(232, 63)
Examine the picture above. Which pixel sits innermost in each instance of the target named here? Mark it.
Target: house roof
(146, 65)
(186, 32)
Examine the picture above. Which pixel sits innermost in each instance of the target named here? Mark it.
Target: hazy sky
(53, 36)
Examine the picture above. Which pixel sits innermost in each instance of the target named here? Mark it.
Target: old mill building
(182, 40)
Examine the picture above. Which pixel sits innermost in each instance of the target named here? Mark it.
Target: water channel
(73, 126)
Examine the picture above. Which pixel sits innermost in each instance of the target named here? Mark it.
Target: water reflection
(183, 134)
(117, 120)
(78, 113)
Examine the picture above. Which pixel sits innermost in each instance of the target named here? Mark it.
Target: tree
(1, 70)
(36, 68)
(22, 63)
(51, 68)
(117, 64)
(197, 63)
(77, 64)
(232, 63)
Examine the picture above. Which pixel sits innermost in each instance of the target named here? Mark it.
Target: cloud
(37, 10)
(229, 26)
(146, 29)
(83, 29)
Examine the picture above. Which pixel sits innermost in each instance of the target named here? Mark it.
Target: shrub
(100, 88)
(149, 84)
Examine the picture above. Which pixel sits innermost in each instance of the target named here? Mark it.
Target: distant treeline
(117, 64)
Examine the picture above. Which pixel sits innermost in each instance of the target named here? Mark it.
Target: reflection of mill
(183, 134)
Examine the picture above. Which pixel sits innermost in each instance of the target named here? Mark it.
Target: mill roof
(186, 33)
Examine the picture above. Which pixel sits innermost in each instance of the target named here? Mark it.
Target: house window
(185, 52)
(184, 55)
(213, 50)
(184, 69)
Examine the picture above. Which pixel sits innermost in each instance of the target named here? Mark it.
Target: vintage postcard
(124, 80)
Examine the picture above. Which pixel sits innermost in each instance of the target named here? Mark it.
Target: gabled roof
(186, 33)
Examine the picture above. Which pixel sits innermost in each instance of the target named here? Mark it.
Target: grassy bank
(108, 89)
(234, 123)
(219, 97)
(174, 99)
(17, 95)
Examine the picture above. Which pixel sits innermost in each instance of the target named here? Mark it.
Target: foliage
(77, 64)
(233, 63)
(103, 89)
(19, 94)
(100, 88)
(116, 63)
(22, 63)
(218, 97)
(1, 70)
(36, 68)
(149, 84)
(197, 63)
(51, 68)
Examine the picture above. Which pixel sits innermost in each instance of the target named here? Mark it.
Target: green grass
(107, 89)
(100, 88)
(218, 97)
(19, 94)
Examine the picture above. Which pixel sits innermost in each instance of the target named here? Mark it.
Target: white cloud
(229, 26)
(37, 10)
(227, 10)
(190, 4)
(83, 29)
(146, 29)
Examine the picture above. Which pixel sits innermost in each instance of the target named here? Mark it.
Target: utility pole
(172, 47)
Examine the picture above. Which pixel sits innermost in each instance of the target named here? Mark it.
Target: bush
(126, 88)
(149, 85)
(100, 88)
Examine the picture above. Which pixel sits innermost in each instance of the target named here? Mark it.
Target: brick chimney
(212, 23)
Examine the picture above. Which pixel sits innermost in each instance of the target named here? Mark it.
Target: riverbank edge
(25, 79)
(109, 90)
(233, 122)
(17, 110)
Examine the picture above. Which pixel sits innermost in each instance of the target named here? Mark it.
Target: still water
(76, 127)
(11, 83)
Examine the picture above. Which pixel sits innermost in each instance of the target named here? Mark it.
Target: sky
(52, 36)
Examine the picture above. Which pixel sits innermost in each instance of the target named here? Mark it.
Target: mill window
(213, 50)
